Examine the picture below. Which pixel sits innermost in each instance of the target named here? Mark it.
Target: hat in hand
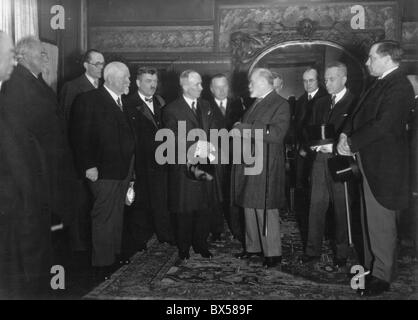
(319, 135)
(343, 168)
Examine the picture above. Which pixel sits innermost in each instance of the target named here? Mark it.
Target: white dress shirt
(149, 104)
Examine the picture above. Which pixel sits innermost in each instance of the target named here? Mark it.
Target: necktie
(96, 83)
(333, 101)
(194, 107)
(148, 100)
(119, 102)
(221, 106)
(332, 107)
(309, 97)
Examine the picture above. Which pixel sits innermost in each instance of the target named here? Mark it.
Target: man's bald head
(261, 82)
(29, 53)
(116, 77)
(7, 56)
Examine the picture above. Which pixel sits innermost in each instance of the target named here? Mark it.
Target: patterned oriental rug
(158, 274)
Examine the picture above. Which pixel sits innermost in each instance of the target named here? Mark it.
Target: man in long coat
(263, 190)
(190, 200)
(35, 150)
(377, 135)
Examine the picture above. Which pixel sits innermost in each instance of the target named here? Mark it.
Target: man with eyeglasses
(93, 63)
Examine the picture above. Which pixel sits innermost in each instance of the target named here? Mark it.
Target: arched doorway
(289, 59)
(296, 48)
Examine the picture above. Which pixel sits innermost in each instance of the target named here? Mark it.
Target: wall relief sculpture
(306, 20)
(248, 44)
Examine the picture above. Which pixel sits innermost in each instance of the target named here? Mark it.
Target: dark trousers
(379, 234)
(217, 219)
(25, 260)
(107, 219)
(161, 217)
(303, 168)
(324, 190)
(193, 229)
(236, 222)
(137, 229)
(79, 230)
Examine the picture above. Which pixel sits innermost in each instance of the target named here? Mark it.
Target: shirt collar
(91, 79)
(114, 95)
(387, 72)
(224, 102)
(144, 97)
(340, 95)
(265, 95)
(313, 93)
(190, 101)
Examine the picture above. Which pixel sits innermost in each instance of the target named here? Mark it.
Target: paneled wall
(175, 35)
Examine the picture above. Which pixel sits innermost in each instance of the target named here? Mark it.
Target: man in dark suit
(104, 146)
(303, 112)
(8, 172)
(332, 110)
(377, 135)
(191, 200)
(262, 193)
(34, 147)
(93, 63)
(149, 211)
(226, 111)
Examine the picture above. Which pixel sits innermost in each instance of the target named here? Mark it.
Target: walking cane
(347, 209)
(266, 186)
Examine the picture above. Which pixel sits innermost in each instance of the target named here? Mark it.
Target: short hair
(310, 68)
(389, 48)
(146, 70)
(218, 76)
(264, 73)
(277, 76)
(26, 45)
(113, 68)
(184, 76)
(87, 55)
(337, 64)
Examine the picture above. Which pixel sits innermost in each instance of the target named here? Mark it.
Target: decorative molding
(379, 15)
(246, 45)
(152, 39)
(410, 33)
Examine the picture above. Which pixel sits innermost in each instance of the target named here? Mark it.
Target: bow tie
(148, 99)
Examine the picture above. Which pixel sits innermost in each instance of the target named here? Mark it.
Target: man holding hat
(377, 135)
(331, 110)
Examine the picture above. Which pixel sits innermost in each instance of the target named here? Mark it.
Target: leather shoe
(205, 254)
(102, 273)
(123, 260)
(340, 262)
(373, 287)
(271, 262)
(215, 237)
(308, 259)
(246, 255)
(184, 255)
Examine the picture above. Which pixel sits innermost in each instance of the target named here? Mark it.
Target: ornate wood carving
(247, 44)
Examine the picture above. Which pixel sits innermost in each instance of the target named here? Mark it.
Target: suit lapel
(205, 115)
(85, 84)
(143, 108)
(190, 114)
